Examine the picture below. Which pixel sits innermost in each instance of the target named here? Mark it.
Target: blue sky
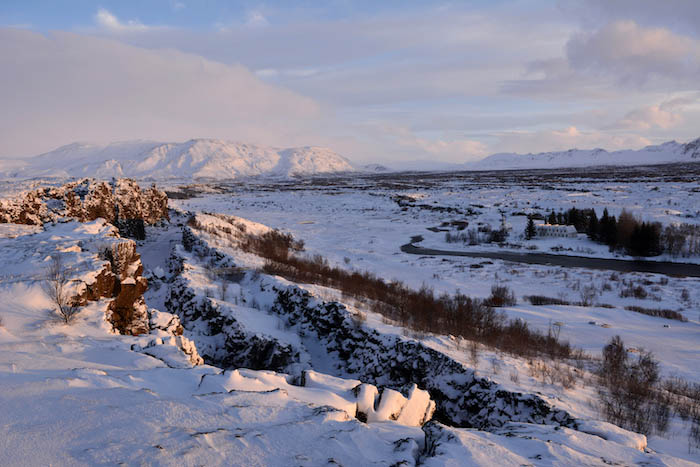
(376, 81)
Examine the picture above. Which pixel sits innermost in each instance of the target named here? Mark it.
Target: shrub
(540, 300)
(634, 291)
(630, 397)
(587, 293)
(501, 296)
(56, 287)
(658, 312)
(418, 310)
(685, 295)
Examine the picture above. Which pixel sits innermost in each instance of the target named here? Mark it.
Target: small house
(555, 230)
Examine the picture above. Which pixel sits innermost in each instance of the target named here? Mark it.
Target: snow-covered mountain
(217, 159)
(197, 158)
(660, 154)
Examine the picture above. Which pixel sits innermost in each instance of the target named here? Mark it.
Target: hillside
(197, 158)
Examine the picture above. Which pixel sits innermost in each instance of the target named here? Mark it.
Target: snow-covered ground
(363, 229)
(83, 395)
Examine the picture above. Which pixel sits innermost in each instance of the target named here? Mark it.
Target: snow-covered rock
(527, 444)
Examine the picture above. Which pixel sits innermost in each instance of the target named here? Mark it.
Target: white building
(555, 230)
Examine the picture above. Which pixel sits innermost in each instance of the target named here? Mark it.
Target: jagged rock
(167, 322)
(121, 202)
(174, 351)
(228, 344)
(128, 311)
(462, 398)
(120, 279)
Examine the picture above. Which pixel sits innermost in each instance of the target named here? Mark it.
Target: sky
(385, 82)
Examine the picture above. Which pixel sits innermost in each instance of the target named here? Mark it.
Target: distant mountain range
(197, 158)
(665, 153)
(216, 159)
(660, 154)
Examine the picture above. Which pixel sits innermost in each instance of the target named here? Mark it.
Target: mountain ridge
(218, 159)
(196, 158)
(664, 153)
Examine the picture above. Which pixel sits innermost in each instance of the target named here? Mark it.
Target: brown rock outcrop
(120, 202)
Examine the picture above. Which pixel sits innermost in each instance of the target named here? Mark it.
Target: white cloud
(66, 87)
(666, 115)
(634, 53)
(620, 56)
(105, 19)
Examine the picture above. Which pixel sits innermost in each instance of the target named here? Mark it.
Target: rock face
(121, 202)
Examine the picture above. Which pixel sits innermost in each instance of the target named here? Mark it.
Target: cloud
(635, 54)
(66, 87)
(679, 15)
(666, 115)
(105, 19)
(617, 56)
(406, 55)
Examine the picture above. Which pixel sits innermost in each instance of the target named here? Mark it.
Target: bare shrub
(630, 397)
(421, 311)
(634, 291)
(541, 300)
(501, 296)
(223, 288)
(495, 365)
(694, 434)
(587, 293)
(474, 353)
(685, 295)
(553, 373)
(658, 312)
(56, 287)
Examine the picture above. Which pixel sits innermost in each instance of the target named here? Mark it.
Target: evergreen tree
(530, 230)
(573, 216)
(593, 227)
(552, 219)
(645, 240)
